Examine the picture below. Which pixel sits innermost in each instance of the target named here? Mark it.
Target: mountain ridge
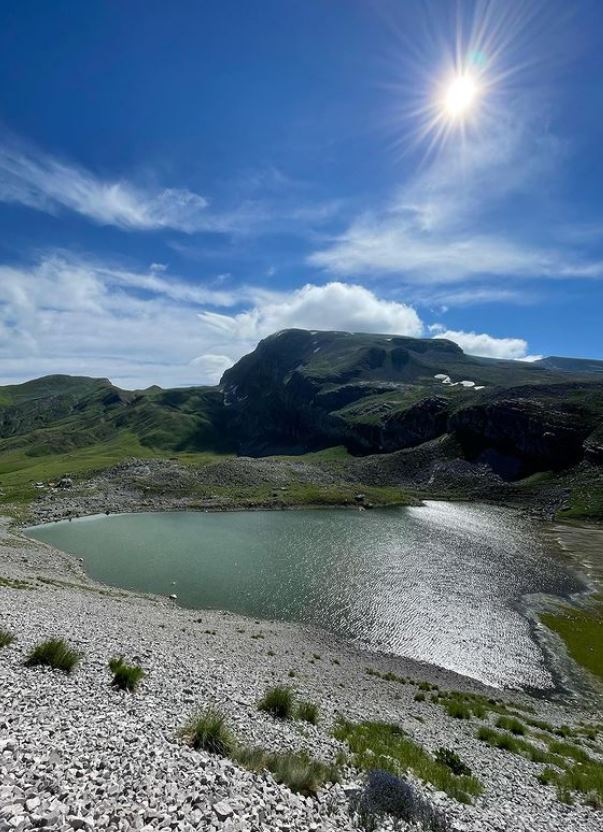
(302, 391)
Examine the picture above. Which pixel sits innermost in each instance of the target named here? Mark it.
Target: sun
(460, 96)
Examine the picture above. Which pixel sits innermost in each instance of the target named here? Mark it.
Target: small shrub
(6, 638)
(386, 793)
(308, 712)
(55, 653)
(510, 723)
(208, 731)
(424, 686)
(458, 710)
(448, 757)
(125, 676)
(278, 702)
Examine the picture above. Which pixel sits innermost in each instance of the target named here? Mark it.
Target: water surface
(445, 583)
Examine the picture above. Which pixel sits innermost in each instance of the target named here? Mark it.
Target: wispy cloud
(47, 184)
(455, 221)
(265, 205)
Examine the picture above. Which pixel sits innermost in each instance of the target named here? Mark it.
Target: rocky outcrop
(520, 435)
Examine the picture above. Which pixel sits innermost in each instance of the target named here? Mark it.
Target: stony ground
(76, 753)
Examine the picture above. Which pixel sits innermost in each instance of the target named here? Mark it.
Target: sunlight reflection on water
(442, 583)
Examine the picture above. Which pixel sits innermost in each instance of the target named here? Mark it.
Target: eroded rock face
(519, 436)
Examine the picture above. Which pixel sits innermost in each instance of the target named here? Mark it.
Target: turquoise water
(444, 583)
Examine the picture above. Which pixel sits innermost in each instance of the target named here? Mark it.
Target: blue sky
(179, 180)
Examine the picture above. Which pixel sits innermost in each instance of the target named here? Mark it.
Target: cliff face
(300, 391)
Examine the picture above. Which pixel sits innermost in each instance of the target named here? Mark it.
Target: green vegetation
(125, 676)
(419, 697)
(14, 583)
(307, 712)
(54, 653)
(582, 632)
(450, 758)
(6, 638)
(512, 724)
(509, 742)
(295, 769)
(585, 778)
(208, 731)
(380, 745)
(278, 702)
(458, 709)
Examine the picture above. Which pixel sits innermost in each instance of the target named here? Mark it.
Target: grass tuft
(512, 724)
(208, 731)
(295, 769)
(55, 653)
(6, 638)
(458, 709)
(125, 676)
(307, 712)
(277, 702)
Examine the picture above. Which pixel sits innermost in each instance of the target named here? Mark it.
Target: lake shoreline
(192, 657)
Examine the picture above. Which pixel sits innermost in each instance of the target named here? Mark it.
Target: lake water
(445, 583)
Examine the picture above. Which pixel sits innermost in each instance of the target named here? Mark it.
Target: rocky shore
(76, 753)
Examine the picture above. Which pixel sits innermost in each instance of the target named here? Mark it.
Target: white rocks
(222, 810)
(77, 754)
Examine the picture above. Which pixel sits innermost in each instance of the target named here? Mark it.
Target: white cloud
(444, 224)
(37, 180)
(333, 306)
(42, 182)
(479, 343)
(67, 315)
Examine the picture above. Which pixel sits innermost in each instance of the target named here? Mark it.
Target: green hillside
(301, 392)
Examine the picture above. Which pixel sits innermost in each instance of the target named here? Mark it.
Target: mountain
(571, 365)
(301, 391)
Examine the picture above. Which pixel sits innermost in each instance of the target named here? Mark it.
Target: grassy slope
(582, 632)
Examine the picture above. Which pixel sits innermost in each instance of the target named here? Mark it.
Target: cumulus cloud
(479, 343)
(84, 317)
(333, 306)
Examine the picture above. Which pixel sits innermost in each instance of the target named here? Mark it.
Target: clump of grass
(517, 745)
(541, 725)
(6, 638)
(208, 731)
(419, 697)
(295, 769)
(55, 653)
(278, 702)
(498, 739)
(584, 778)
(512, 724)
(458, 709)
(566, 749)
(307, 712)
(448, 757)
(380, 745)
(125, 676)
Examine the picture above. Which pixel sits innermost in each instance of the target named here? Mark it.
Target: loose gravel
(77, 753)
